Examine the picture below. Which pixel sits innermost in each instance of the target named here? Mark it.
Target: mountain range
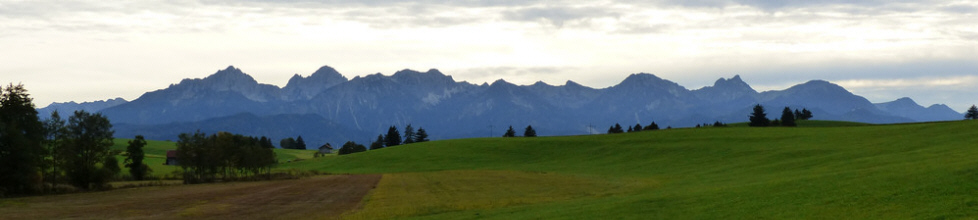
(328, 107)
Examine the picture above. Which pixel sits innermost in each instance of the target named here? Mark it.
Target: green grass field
(156, 155)
(822, 170)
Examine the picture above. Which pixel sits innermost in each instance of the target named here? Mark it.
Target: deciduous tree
(89, 139)
(134, 158)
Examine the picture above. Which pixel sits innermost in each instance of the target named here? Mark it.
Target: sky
(881, 49)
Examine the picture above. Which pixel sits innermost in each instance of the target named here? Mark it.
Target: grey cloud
(560, 14)
(961, 9)
(784, 4)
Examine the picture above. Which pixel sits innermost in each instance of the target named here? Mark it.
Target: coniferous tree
(287, 143)
(529, 132)
(788, 118)
(972, 113)
(265, 142)
(393, 137)
(798, 115)
(299, 143)
(758, 118)
(421, 136)
(378, 144)
(510, 132)
(638, 127)
(652, 127)
(630, 130)
(409, 135)
(21, 138)
(806, 114)
(134, 158)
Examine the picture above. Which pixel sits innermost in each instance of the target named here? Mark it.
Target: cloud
(558, 15)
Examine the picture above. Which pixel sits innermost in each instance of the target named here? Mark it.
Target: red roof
(171, 153)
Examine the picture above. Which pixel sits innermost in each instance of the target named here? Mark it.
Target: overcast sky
(880, 49)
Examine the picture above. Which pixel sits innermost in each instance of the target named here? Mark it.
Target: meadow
(850, 171)
(156, 156)
(820, 170)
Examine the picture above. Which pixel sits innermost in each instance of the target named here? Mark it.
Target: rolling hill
(849, 171)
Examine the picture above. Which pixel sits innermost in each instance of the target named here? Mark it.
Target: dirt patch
(321, 197)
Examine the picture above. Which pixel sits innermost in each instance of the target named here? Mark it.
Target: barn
(171, 157)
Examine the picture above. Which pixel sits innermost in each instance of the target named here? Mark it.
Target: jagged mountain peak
(736, 81)
(541, 83)
(230, 75)
(572, 84)
(500, 82)
(307, 87)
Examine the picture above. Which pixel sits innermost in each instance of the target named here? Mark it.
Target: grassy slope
(887, 171)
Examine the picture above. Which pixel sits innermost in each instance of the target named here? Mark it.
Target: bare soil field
(321, 197)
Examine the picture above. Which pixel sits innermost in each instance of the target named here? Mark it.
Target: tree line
(758, 118)
(528, 132)
(36, 156)
(204, 158)
(617, 129)
(392, 138)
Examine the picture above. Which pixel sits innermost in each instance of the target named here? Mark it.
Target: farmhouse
(326, 149)
(171, 157)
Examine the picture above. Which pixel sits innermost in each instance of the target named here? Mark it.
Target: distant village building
(171, 158)
(326, 149)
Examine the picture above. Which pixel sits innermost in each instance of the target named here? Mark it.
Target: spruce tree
(758, 118)
(378, 144)
(652, 127)
(421, 136)
(529, 132)
(787, 118)
(972, 113)
(299, 143)
(393, 137)
(409, 134)
(21, 137)
(510, 132)
(638, 127)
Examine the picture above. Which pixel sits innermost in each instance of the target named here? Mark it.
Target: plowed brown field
(322, 197)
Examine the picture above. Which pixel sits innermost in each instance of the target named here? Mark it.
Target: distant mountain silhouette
(908, 108)
(325, 106)
(67, 108)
